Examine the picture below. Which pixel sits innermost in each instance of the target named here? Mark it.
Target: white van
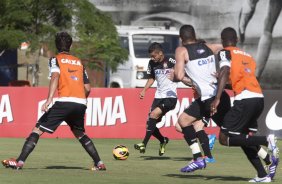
(133, 72)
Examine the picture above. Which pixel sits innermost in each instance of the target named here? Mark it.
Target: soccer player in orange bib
(69, 78)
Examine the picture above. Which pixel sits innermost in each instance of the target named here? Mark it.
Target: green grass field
(63, 161)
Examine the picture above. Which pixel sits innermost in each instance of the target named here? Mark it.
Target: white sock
(262, 153)
(195, 148)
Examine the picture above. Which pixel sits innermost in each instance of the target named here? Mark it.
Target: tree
(36, 22)
(98, 38)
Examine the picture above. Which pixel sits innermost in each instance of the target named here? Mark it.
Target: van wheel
(114, 85)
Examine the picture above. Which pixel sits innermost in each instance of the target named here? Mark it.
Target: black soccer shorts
(200, 109)
(165, 104)
(70, 112)
(242, 117)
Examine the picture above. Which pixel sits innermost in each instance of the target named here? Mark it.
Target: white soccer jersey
(201, 68)
(159, 71)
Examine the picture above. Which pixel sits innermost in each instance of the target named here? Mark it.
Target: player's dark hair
(201, 41)
(155, 46)
(63, 41)
(187, 32)
(229, 37)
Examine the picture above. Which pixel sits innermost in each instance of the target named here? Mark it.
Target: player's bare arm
(181, 57)
(149, 83)
(223, 77)
(187, 81)
(52, 89)
(87, 89)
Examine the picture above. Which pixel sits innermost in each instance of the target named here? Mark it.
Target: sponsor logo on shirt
(72, 62)
(74, 78)
(158, 72)
(205, 61)
(71, 71)
(241, 52)
(200, 51)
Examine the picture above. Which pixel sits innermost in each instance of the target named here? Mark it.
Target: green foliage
(98, 39)
(10, 39)
(36, 21)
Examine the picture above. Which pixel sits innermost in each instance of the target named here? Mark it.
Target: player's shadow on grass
(65, 167)
(205, 177)
(154, 158)
(166, 158)
(182, 159)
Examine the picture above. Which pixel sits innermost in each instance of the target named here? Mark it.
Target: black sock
(245, 140)
(267, 159)
(28, 146)
(157, 134)
(88, 145)
(190, 138)
(204, 141)
(251, 152)
(151, 126)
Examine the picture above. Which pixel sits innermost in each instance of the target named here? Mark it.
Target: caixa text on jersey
(206, 61)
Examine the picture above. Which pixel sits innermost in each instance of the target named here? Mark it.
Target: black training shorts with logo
(165, 104)
(70, 112)
(199, 109)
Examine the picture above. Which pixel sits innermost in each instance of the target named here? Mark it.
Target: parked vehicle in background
(133, 72)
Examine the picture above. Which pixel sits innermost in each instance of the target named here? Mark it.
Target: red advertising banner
(111, 113)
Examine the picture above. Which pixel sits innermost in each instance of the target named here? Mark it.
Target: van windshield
(141, 43)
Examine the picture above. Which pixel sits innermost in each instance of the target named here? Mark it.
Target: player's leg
(211, 137)
(237, 120)
(152, 125)
(265, 42)
(245, 140)
(165, 105)
(149, 125)
(47, 123)
(271, 162)
(163, 141)
(153, 117)
(251, 153)
(186, 120)
(29, 144)
(262, 153)
(27, 148)
(76, 122)
(178, 127)
(203, 139)
(90, 148)
(246, 13)
(158, 109)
